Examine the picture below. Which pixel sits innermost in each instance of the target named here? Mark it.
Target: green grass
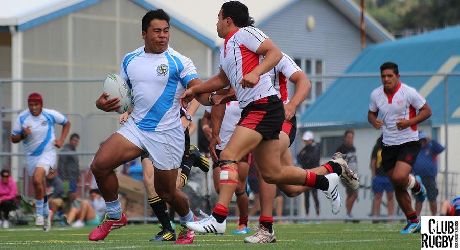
(289, 236)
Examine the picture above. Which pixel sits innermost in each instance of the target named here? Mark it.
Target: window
(330, 144)
(314, 69)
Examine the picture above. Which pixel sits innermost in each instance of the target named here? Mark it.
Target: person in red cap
(35, 128)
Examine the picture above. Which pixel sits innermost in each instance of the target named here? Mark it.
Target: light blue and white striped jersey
(157, 82)
(42, 126)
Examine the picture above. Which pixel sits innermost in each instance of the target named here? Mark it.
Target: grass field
(289, 236)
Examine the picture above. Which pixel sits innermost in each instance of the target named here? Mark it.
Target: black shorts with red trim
(265, 116)
(406, 152)
(290, 128)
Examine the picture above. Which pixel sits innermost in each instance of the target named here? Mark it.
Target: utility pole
(362, 26)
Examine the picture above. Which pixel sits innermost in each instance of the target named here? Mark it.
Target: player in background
(451, 208)
(262, 116)
(157, 76)
(223, 119)
(396, 109)
(35, 128)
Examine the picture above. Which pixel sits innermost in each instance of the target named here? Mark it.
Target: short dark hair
(154, 14)
(349, 131)
(390, 65)
(238, 12)
(95, 190)
(74, 135)
(5, 172)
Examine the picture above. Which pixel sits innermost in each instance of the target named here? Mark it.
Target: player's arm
(272, 55)
(206, 125)
(302, 87)
(20, 132)
(193, 107)
(107, 105)
(217, 116)
(17, 138)
(65, 131)
(372, 119)
(423, 114)
(197, 89)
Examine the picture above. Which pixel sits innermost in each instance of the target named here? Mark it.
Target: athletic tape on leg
(228, 173)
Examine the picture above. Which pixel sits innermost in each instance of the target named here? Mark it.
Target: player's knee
(270, 177)
(37, 181)
(228, 173)
(290, 193)
(399, 181)
(166, 195)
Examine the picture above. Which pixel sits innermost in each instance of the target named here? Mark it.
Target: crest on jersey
(162, 69)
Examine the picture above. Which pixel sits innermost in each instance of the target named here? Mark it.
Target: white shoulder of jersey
(287, 66)
(24, 112)
(134, 52)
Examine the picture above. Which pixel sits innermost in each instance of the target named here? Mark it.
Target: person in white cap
(308, 158)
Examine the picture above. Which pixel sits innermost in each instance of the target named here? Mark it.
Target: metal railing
(86, 123)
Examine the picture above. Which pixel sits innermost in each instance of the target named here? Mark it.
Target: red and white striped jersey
(280, 75)
(238, 57)
(403, 104)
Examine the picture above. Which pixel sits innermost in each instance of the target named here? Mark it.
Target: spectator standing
(348, 149)
(308, 158)
(8, 192)
(380, 181)
(426, 166)
(68, 165)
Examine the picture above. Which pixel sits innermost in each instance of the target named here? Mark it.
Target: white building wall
(453, 159)
(89, 44)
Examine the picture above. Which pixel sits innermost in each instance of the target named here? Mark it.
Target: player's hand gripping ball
(116, 86)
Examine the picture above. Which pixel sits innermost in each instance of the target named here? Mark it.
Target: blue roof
(346, 101)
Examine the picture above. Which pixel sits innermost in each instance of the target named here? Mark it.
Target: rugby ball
(116, 86)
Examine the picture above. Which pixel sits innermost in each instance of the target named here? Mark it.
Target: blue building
(345, 104)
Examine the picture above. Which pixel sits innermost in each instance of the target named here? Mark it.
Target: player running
(35, 128)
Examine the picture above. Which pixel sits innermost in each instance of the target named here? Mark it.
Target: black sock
(172, 213)
(335, 167)
(322, 182)
(159, 208)
(219, 218)
(267, 225)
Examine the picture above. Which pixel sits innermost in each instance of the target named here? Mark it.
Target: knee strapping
(239, 193)
(228, 172)
(222, 163)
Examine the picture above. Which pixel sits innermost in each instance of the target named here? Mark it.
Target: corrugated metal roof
(347, 100)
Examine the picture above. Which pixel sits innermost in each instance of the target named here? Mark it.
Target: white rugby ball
(116, 86)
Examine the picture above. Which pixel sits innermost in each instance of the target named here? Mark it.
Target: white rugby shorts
(165, 148)
(47, 161)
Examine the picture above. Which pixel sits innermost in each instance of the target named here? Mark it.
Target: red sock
(243, 220)
(267, 222)
(220, 210)
(412, 217)
(329, 168)
(310, 179)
